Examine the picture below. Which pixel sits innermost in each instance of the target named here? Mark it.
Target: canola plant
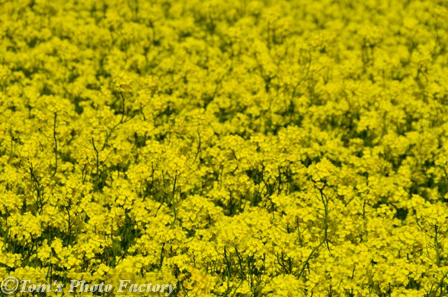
(232, 147)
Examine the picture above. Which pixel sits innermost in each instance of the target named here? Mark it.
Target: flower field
(230, 147)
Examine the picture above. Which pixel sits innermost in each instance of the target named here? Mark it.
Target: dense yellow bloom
(236, 148)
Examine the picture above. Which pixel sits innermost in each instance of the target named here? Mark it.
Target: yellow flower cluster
(236, 148)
